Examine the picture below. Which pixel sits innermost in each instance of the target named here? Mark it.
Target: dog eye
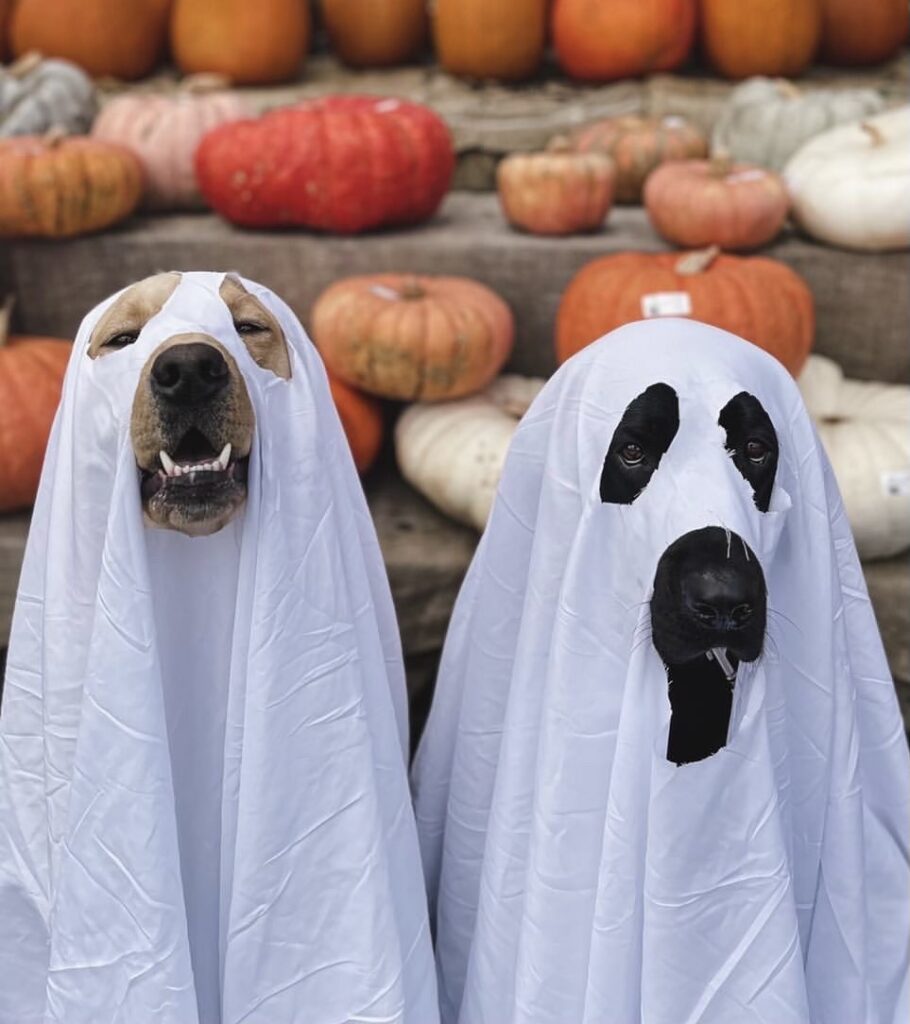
(631, 454)
(757, 451)
(249, 327)
(751, 442)
(121, 340)
(640, 441)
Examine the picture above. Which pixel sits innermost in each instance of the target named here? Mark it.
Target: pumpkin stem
(559, 144)
(412, 289)
(205, 81)
(696, 262)
(25, 65)
(787, 88)
(54, 136)
(721, 164)
(6, 318)
(874, 132)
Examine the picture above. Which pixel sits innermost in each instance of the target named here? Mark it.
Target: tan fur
(132, 311)
(268, 347)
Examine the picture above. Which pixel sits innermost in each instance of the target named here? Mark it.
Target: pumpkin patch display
(361, 418)
(760, 37)
(375, 33)
(105, 37)
(865, 428)
(164, 131)
(765, 121)
(851, 186)
(696, 203)
(55, 187)
(31, 377)
(342, 163)
(413, 338)
(557, 192)
(863, 33)
(637, 145)
(759, 299)
(602, 40)
(251, 43)
(453, 452)
(38, 94)
(501, 39)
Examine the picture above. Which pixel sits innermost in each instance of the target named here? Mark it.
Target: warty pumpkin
(361, 418)
(601, 40)
(637, 145)
(342, 163)
(164, 131)
(375, 33)
(105, 37)
(38, 94)
(696, 203)
(490, 38)
(865, 428)
(856, 32)
(31, 378)
(759, 299)
(453, 452)
(55, 187)
(760, 37)
(410, 337)
(251, 43)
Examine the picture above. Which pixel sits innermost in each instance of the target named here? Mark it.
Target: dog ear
(257, 327)
(644, 434)
(122, 323)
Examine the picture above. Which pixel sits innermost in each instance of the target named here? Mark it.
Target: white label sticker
(897, 483)
(381, 291)
(752, 174)
(666, 304)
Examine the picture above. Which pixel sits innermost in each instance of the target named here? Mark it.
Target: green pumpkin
(37, 94)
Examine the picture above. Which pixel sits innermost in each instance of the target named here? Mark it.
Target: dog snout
(721, 598)
(189, 374)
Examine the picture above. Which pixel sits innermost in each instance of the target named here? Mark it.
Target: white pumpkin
(851, 186)
(38, 94)
(766, 120)
(453, 452)
(865, 428)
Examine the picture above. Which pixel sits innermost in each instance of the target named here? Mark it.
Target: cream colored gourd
(766, 120)
(851, 186)
(453, 452)
(865, 428)
(37, 94)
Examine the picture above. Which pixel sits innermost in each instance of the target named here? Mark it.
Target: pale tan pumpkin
(411, 337)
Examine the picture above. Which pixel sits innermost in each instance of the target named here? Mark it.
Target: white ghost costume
(204, 810)
(575, 875)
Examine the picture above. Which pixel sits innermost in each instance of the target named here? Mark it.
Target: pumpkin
(342, 163)
(760, 37)
(863, 33)
(251, 43)
(6, 9)
(56, 187)
(361, 418)
(696, 203)
(415, 338)
(490, 38)
(557, 192)
(601, 40)
(637, 145)
(851, 185)
(37, 94)
(164, 131)
(865, 429)
(759, 299)
(375, 33)
(765, 121)
(105, 37)
(453, 452)
(31, 378)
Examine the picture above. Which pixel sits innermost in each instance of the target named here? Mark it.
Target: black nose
(189, 374)
(720, 598)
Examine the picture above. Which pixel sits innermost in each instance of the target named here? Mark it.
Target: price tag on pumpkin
(666, 304)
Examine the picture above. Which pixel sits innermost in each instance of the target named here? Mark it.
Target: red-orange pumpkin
(637, 145)
(361, 417)
(605, 39)
(31, 376)
(490, 38)
(375, 33)
(696, 203)
(759, 299)
(863, 31)
(415, 338)
(760, 37)
(343, 163)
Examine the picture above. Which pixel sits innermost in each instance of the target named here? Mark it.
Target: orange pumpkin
(106, 37)
(557, 192)
(601, 40)
(56, 187)
(375, 33)
(415, 338)
(695, 203)
(863, 31)
(251, 43)
(31, 377)
(760, 37)
(6, 7)
(757, 298)
(637, 145)
(490, 38)
(361, 417)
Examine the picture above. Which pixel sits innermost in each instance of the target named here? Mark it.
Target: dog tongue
(719, 654)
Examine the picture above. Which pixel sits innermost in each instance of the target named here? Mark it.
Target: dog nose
(189, 374)
(718, 598)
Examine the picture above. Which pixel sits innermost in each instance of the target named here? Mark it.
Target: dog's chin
(197, 504)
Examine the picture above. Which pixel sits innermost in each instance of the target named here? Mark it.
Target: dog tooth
(225, 457)
(167, 462)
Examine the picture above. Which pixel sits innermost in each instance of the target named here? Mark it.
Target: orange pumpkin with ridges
(490, 38)
(361, 417)
(375, 33)
(858, 32)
